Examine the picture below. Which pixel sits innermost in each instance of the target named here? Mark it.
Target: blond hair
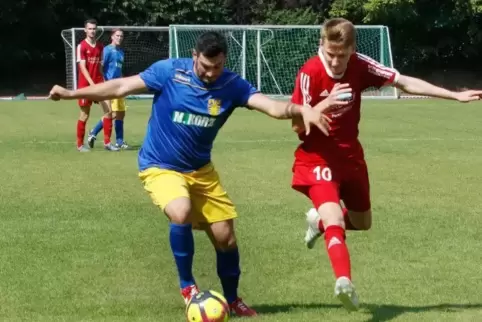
(339, 31)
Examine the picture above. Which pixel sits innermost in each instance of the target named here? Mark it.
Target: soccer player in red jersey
(330, 169)
(89, 58)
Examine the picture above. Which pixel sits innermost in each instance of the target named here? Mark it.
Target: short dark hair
(211, 44)
(91, 21)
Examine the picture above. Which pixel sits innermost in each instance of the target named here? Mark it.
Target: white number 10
(324, 173)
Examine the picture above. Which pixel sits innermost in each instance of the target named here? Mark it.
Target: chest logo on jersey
(337, 111)
(325, 93)
(93, 60)
(182, 78)
(214, 106)
(193, 119)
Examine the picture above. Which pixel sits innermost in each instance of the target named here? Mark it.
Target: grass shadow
(379, 312)
(133, 147)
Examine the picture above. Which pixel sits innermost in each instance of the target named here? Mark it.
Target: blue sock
(119, 131)
(98, 127)
(182, 246)
(229, 272)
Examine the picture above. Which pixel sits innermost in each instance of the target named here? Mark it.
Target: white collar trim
(325, 65)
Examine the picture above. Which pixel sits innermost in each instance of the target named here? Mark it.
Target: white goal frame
(71, 44)
(261, 59)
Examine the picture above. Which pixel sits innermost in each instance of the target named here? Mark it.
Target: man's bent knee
(84, 114)
(178, 210)
(119, 115)
(106, 108)
(84, 117)
(331, 214)
(361, 220)
(222, 234)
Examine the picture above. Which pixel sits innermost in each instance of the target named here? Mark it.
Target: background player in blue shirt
(113, 58)
(193, 98)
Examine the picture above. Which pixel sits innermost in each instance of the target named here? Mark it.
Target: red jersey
(92, 55)
(313, 84)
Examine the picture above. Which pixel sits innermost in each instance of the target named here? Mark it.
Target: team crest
(214, 106)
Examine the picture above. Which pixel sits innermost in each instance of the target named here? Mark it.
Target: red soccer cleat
(188, 292)
(239, 308)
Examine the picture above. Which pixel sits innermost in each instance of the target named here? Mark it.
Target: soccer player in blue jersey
(113, 59)
(193, 98)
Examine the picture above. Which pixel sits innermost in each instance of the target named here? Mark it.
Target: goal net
(267, 56)
(270, 56)
(142, 47)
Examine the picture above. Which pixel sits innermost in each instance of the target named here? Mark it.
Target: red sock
(107, 124)
(80, 132)
(338, 251)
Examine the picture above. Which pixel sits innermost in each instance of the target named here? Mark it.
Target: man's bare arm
(274, 108)
(418, 86)
(116, 88)
(85, 72)
(101, 71)
(282, 110)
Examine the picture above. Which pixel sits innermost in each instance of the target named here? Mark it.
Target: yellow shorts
(209, 201)
(118, 105)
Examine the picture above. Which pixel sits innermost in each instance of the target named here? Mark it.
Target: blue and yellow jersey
(187, 114)
(113, 62)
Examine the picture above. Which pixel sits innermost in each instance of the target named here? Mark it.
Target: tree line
(426, 35)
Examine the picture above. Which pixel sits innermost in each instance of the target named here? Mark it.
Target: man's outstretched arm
(277, 109)
(282, 110)
(418, 86)
(115, 88)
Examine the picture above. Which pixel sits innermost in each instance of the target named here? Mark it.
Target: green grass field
(81, 241)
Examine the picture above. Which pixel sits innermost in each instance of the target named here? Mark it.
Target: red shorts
(323, 184)
(83, 102)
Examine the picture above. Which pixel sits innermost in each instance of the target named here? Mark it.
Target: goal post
(142, 47)
(269, 56)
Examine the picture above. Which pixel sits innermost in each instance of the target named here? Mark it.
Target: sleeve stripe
(391, 74)
(305, 88)
(376, 64)
(78, 53)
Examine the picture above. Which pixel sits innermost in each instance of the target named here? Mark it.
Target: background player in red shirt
(330, 169)
(89, 58)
